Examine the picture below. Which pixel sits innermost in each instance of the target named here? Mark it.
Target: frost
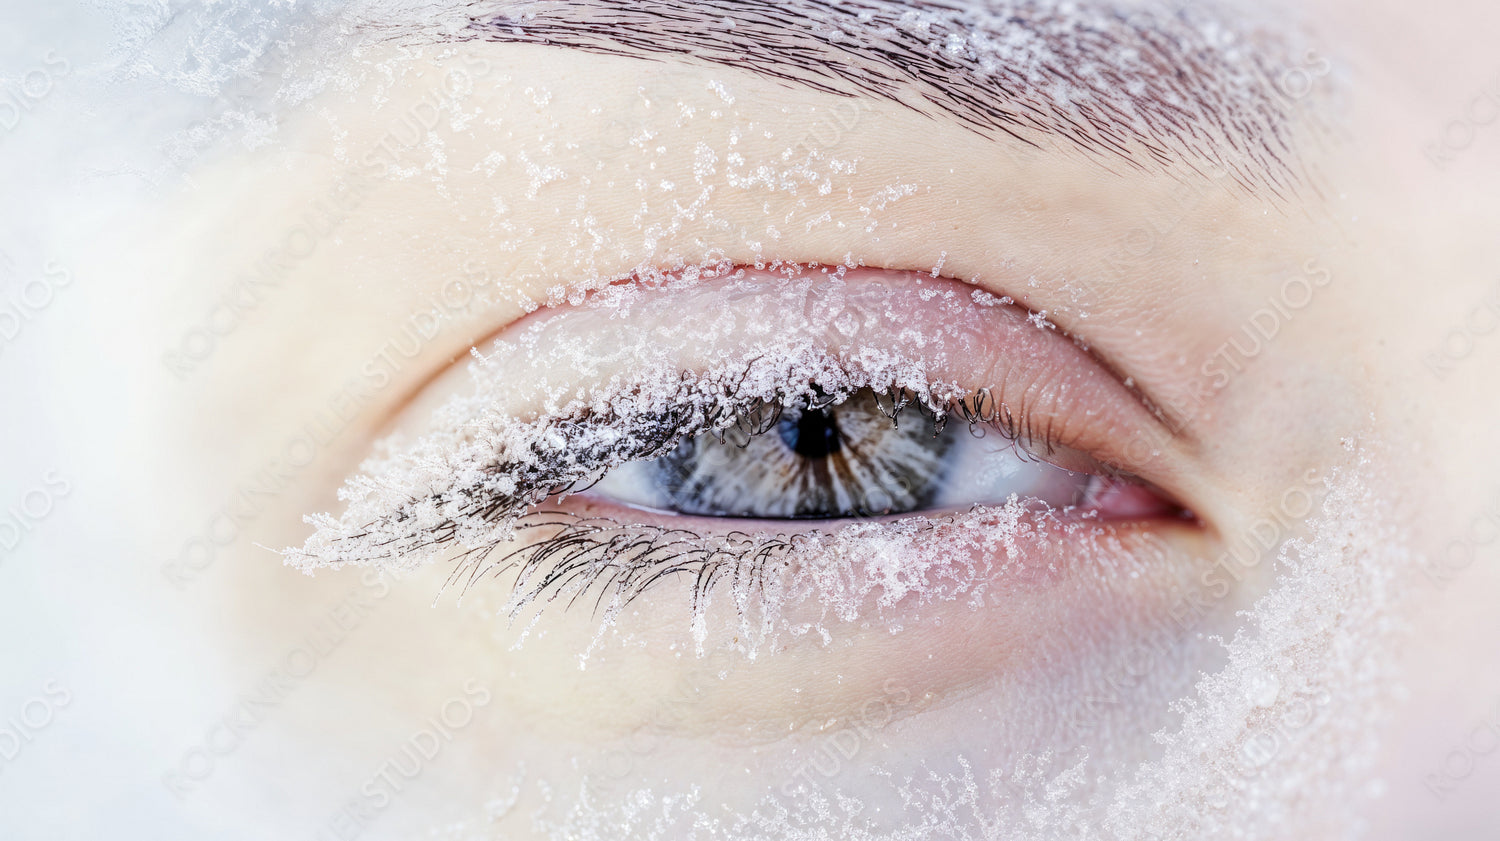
(1278, 743)
(721, 91)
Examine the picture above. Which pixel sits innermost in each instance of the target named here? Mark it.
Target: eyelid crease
(1171, 425)
(385, 424)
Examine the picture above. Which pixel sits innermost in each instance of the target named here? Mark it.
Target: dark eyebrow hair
(1147, 85)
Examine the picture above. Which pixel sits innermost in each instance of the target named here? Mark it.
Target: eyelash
(618, 560)
(622, 560)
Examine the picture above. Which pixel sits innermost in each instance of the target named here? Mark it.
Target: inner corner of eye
(871, 454)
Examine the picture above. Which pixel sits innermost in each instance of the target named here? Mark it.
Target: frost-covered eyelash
(552, 456)
(616, 562)
(621, 560)
(763, 574)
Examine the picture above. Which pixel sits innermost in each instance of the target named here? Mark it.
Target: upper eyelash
(585, 458)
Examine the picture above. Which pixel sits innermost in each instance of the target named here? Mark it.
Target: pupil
(814, 434)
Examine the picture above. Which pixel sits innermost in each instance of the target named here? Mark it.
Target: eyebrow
(1143, 85)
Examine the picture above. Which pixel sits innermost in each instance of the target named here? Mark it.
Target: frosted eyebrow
(1143, 84)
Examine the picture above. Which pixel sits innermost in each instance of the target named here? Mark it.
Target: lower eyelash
(617, 562)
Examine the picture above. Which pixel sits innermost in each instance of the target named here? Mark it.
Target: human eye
(829, 457)
(869, 454)
(849, 436)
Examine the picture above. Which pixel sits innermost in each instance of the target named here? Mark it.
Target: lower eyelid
(936, 642)
(1057, 599)
(609, 555)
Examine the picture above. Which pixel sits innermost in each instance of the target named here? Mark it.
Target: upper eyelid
(1163, 429)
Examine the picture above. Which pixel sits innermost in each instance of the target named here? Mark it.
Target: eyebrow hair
(1148, 85)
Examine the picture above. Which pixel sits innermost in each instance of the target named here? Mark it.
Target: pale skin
(1396, 252)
